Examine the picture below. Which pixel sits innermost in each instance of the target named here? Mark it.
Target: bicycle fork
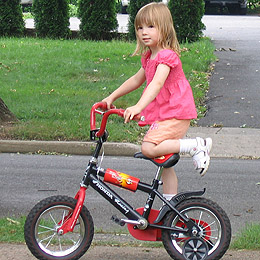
(69, 221)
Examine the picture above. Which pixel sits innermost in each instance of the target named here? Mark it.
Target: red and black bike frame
(92, 178)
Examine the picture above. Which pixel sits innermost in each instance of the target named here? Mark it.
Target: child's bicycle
(190, 227)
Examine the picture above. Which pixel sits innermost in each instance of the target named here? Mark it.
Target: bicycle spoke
(63, 217)
(73, 241)
(50, 241)
(49, 229)
(212, 223)
(49, 237)
(60, 245)
(212, 237)
(214, 230)
(209, 242)
(53, 219)
(43, 232)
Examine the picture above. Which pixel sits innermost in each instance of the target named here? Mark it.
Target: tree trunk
(5, 114)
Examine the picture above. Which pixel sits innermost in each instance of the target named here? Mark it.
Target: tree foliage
(253, 3)
(187, 15)
(51, 18)
(98, 19)
(133, 8)
(11, 18)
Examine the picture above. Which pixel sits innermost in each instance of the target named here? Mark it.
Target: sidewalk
(21, 252)
(75, 22)
(227, 142)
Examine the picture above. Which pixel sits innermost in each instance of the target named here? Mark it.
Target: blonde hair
(158, 15)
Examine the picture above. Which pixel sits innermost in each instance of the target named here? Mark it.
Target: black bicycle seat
(165, 161)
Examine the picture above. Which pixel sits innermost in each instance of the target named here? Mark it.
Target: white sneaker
(200, 155)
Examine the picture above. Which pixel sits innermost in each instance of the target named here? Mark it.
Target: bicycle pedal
(118, 220)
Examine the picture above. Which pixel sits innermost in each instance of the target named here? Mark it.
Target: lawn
(50, 85)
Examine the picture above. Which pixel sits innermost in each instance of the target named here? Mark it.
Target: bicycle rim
(46, 234)
(208, 222)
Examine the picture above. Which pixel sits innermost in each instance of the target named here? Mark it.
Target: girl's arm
(150, 93)
(128, 86)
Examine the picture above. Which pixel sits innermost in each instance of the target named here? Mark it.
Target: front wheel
(41, 230)
(214, 224)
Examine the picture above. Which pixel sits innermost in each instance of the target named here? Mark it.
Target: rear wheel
(41, 230)
(215, 229)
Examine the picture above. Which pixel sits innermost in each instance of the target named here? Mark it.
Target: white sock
(187, 144)
(168, 196)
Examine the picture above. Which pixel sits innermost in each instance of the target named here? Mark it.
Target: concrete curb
(70, 147)
(227, 142)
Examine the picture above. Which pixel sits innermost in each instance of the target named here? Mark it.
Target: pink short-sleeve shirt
(175, 99)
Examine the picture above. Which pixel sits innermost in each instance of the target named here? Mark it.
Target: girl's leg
(152, 150)
(169, 178)
(165, 137)
(170, 182)
(198, 148)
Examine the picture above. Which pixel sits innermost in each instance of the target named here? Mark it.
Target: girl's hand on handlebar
(130, 113)
(109, 103)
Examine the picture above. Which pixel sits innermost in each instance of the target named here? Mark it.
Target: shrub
(133, 8)
(98, 19)
(51, 18)
(11, 18)
(253, 3)
(73, 10)
(187, 15)
(73, 2)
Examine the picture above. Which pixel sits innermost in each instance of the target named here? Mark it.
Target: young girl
(167, 103)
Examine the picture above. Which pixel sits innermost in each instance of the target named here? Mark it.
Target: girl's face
(148, 35)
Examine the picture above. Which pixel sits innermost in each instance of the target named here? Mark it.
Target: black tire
(40, 230)
(214, 223)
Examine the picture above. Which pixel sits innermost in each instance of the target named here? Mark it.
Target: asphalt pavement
(233, 97)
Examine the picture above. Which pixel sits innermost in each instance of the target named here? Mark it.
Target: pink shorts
(167, 129)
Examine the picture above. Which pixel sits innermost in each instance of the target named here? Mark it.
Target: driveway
(233, 97)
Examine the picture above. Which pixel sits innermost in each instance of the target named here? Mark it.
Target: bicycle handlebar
(106, 113)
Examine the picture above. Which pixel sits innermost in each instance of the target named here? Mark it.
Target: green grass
(11, 231)
(50, 85)
(248, 238)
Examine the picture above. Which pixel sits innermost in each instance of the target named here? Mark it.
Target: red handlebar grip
(101, 105)
(103, 124)
(106, 114)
